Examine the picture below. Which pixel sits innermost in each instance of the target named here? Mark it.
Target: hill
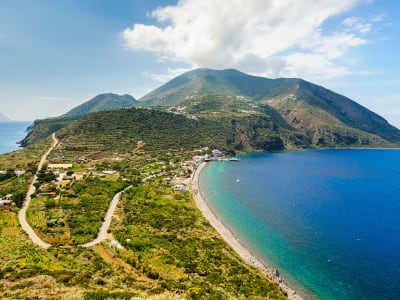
(45, 127)
(122, 130)
(103, 102)
(249, 113)
(326, 117)
(41, 129)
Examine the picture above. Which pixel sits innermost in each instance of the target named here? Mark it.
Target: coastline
(233, 241)
(11, 132)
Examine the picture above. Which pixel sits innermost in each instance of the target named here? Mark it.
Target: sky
(55, 55)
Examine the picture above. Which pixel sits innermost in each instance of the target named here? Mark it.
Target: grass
(75, 214)
(176, 247)
(20, 159)
(69, 272)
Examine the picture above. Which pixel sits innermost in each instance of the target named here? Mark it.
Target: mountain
(122, 130)
(4, 118)
(41, 129)
(228, 82)
(45, 127)
(103, 102)
(326, 117)
(227, 109)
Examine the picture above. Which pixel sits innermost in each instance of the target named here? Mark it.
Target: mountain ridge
(102, 102)
(254, 111)
(274, 93)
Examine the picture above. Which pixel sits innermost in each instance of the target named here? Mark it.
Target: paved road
(22, 213)
(102, 235)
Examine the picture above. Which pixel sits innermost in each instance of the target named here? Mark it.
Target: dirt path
(102, 235)
(22, 213)
(109, 257)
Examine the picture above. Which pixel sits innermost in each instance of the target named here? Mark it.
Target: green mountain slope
(103, 102)
(324, 114)
(41, 129)
(227, 82)
(347, 111)
(122, 130)
(45, 127)
(242, 112)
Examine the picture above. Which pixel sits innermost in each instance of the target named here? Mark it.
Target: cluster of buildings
(6, 201)
(16, 172)
(181, 110)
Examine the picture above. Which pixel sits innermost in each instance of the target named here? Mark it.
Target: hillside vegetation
(226, 109)
(320, 114)
(42, 129)
(103, 102)
(122, 130)
(162, 247)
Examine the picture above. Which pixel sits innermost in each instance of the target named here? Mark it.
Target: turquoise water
(10, 134)
(328, 219)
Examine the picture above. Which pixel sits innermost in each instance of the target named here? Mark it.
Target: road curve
(22, 213)
(102, 235)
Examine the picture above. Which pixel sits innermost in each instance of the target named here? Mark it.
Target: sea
(11, 133)
(329, 220)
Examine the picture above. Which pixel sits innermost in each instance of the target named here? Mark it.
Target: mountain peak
(304, 105)
(103, 102)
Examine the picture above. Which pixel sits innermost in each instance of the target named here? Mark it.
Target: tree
(18, 198)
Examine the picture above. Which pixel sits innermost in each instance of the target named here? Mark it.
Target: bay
(328, 219)
(11, 133)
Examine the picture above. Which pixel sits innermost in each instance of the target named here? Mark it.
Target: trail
(22, 213)
(102, 235)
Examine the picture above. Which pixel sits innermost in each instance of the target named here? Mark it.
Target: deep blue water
(328, 219)
(10, 134)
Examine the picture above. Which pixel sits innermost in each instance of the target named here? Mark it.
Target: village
(68, 186)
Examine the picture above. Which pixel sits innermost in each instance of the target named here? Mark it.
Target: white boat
(233, 159)
(237, 180)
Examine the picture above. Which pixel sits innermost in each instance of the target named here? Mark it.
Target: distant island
(4, 118)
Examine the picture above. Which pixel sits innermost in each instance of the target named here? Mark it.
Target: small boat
(237, 180)
(233, 159)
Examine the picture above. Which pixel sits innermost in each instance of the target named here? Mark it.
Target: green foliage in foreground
(17, 187)
(27, 270)
(174, 245)
(85, 217)
(74, 217)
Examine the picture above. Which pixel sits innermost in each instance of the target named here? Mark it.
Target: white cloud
(265, 37)
(171, 73)
(358, 24)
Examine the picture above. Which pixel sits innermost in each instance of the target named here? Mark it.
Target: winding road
(102, 235)
(22, 213)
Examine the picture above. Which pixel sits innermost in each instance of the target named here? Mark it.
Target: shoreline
(232, 240)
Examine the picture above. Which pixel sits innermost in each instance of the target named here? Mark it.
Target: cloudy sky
(55, 55)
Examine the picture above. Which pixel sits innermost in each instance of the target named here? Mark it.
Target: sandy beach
(233, 241)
